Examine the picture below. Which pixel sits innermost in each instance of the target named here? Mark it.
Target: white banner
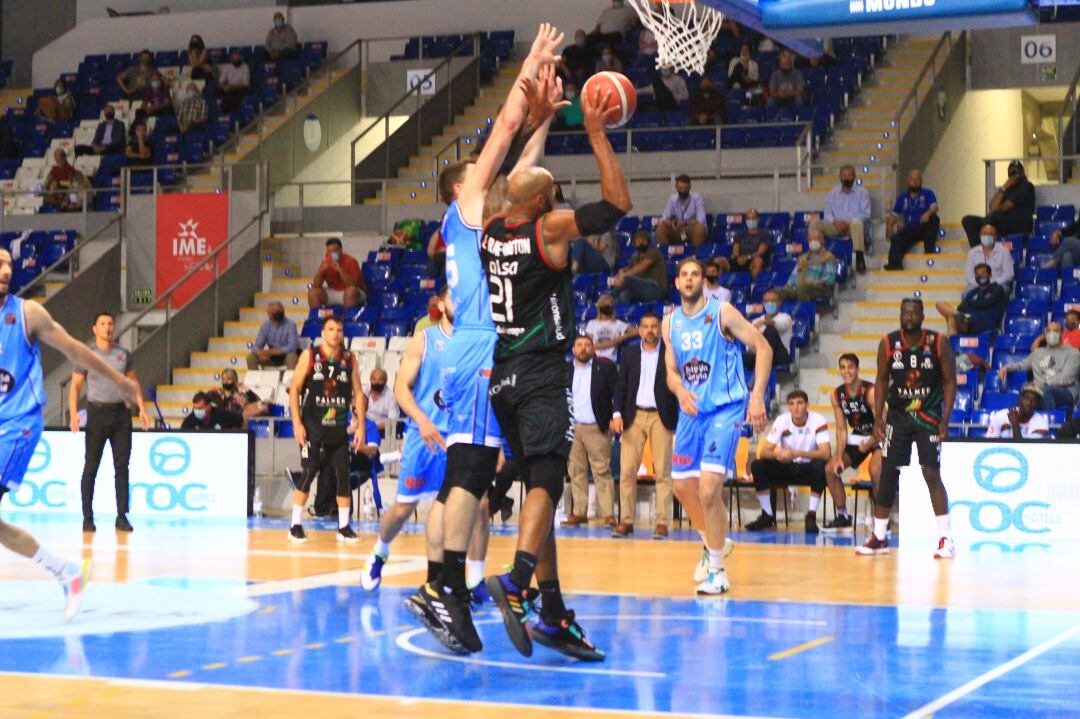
(416, 77)
(174, 474)
(1000, 491)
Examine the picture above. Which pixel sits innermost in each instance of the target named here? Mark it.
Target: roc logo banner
(189, 228)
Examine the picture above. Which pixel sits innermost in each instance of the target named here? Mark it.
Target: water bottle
(256, 502)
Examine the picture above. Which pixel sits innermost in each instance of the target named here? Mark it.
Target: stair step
(257, 315)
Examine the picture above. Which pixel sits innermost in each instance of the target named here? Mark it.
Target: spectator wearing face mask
(669, 90)
(192, 112)
(381, 407)
(787, 86)
(340, 273)
(1055, 367)
(743, 72)
(571, 115)
(608, 61)
(751, 249)
(981, 308)
(205, 417)
(607, 331)
(613, 24)
(707, 106)
(847, 212)
(277, 343)
(814, 275)
(236, 398)
(684, 216)
(578, 59)
(712, 287)
(1011, 208)
(199, 59)
(914, 218)
(645, 279)
(1070, 335)
(108, 137)
(1021, 421)
(1066, 244)
(139, 151)
(281, 42)
(777, 327)
(59, 107)
(432, 318)
(993, 253)
(234, 83)
(157, 100)
(136, 78)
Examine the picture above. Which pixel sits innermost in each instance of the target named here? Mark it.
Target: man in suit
(591, 380)
(644, 409)
(109, 138)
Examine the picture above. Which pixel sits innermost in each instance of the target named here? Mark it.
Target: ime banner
(189, 228)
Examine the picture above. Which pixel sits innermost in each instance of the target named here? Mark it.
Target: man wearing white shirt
(777, 327)
(592, 387)
(794, 453)
(607, 331)
(713, 289)
(381, 407)
(1022, 419)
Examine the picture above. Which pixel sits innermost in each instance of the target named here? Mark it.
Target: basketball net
(683, 35)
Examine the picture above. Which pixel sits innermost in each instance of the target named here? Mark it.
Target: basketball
(622, 94)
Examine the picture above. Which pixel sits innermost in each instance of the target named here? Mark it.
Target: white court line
(401, 565)
(998, 671)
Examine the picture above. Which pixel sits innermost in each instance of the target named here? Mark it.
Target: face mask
(192, 93)
(155, 84)
(279, 24)
(378, 387)
(1070, 326)
(608, 58)
(987, 240)
(237, 63)
(665, 73)
(605, 309)
(228, 386)
(751, 224)
(277, 316)
(579, 41)
(770, 308)
(641, 247)
(713, 279)
(200, 414)
(915, 189)
(196, 45)
(847, 184)
(570, 94)
(683, 194)
(1053, 339)
(59, 90)
(434, 314)
(815, 246)
(335, 256)
(982, 280)
(110, 115)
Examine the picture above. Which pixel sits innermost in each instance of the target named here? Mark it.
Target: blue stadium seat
(1024, 326)
(1043, 292)
(999, 400)
(978, 345)
(963, 404)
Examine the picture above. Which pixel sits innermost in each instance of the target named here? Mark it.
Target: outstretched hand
(544, 95)
(547, 41)
(596, 118)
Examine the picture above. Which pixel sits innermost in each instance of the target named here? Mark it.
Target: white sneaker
(371, 576)
(716, 583)
(945, 549)
(701, 571)
(74, 580)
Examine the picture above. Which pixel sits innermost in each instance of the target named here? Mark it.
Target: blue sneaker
(371, 577)
(480, 595)
(516, 605)
(565, 637)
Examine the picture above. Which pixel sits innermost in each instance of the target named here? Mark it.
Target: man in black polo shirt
(205, 417)
(1011, 207)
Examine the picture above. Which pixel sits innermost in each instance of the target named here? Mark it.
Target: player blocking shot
(916, 377)
(22, 396)
(705, 372)
(853, 409)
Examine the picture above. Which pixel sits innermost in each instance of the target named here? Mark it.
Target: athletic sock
(716, 559)
(474, 571)
(454, 569)
(814, 502)
(524, 566)
(382, 549)
(434, 569)
(54, 564)
(943, 525)
(297, 514)
(552, 608)
(881, 526)
(766, 503)
(343, 517)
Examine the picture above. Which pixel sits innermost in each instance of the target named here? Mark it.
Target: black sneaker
(416, 606)
(346, 535)
(811, 523)
(841, 525)
(516, 605)
(860, 263)
(123, 525)
(565, 637)
(890, 267)
(452, 611)
(88, 524)
(297, 535)
(765, 521)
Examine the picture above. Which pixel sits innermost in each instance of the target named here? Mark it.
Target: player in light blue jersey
(705, 371)
(22, 395)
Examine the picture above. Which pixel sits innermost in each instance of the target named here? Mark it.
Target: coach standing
(108, 418)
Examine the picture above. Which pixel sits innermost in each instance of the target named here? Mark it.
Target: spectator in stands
(136, 78)
(595, 253)
(743, 72)
(432, 318)
(1066, 244)
(62, 177)
(1011, 207)
(814, 274)
(236, 397)
(645, 279)
(794, 453)
(591, 381)
(713, 61)
(669, 90)
(608, 61)
(751, 249)
(578, 59)
(914, 218)
(847, 213)
(108, 137)
(341, 274)
(787, 86)
(198, 57)
(436, 252)
(684, 216)
(1071, 335)
(993, 253)
(607, 331)
(981, 308)
(1071, 429)
(281, 42)
(139, 151)
(1022, 420)
(205, 417)
(381, 407)
(777, 327)
(648, 46)
(234, 83)
(157, 100)
(712, 288)
(59, 107)
(707, 106)
(1056, 368)
(277, 342)
(192, 112)
(9, 149)
(571, 115)
(613, 24)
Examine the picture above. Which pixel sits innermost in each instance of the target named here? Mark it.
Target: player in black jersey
(916, 375)
(853, 408)
(526, 254)
(325, 385)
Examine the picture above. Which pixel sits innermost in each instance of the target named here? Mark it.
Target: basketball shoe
(371, 576)
(416, 606)
(515, 604)
(945, 549)
(873, 546)
(74, 579)
(701, 571)
(715, 584)
(566, 637)
(297, 535)
(452, 610)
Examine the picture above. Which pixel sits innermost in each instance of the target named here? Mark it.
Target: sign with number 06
(1038, 49)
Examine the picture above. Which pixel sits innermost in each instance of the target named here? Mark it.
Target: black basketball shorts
(533, 404)
(901, 430)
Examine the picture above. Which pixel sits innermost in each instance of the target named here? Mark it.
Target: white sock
(881, 526)
(474, 571)
(766, 503)
(343, 517)
(51, 562)
(943, 525)
(814, 502)
(382, 549)
(297, 514)
(716, 559)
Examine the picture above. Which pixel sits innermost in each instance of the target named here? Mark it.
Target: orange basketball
(622, 93)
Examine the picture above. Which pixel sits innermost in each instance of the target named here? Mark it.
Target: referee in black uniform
(108, 418)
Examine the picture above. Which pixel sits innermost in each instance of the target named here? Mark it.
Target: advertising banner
(189, 228)
(777, 14)
(173, 474)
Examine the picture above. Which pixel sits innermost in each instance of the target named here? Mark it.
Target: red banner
(189, 229)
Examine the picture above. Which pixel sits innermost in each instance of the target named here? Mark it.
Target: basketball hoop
(683, 35)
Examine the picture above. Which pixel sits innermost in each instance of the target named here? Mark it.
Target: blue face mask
(200, 414)
(770, 308)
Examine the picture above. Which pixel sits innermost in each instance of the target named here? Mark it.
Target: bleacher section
(34, 252)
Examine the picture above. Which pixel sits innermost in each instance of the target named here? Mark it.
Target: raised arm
(737, 326)
(403, 395)
(545, 99)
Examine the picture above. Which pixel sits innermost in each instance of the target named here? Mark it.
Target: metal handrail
(913, 94)
(42, 278)
(1070, 101)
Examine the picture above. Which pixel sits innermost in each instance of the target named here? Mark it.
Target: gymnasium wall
(995, 57)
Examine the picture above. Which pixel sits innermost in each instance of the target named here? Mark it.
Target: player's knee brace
(547, 472)
(887, 487)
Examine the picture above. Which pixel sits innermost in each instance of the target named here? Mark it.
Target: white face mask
(336, 256)
(987, 240)
(199, 413)
(751, 224)
(1053, 339)
(815, 246)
